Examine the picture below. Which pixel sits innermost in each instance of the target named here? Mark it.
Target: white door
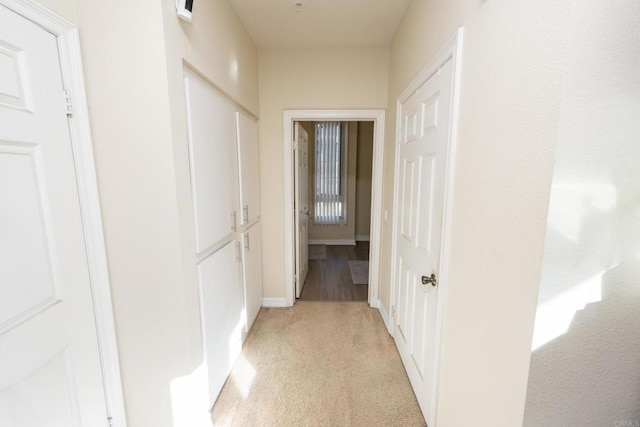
(221, 307)
(252, 269)
(50, 373)
(249, 167)
(422, 154)
(301, 179)
(213, 157)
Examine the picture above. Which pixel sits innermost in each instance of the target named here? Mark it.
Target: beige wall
(509, 105)
(215, 45)
(344, 231)
(133, 54)
(64, 8)
(364, 166)
(305, 79)
(124, 62)
(585, 365)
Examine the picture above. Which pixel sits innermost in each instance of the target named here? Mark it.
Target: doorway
(292, 251)
(336, 212)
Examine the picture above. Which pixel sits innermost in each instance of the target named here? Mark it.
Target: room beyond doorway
(333, 273)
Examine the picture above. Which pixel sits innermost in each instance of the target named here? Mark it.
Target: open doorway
(341, 245)
(335, 160)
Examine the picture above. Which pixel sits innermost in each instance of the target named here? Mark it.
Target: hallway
(330, 279)
(330, 363)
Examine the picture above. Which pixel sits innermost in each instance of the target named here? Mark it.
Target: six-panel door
(421, 177)
(50, 372)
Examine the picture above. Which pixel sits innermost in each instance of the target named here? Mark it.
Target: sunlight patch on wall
(554, 317)
(234, 69)
(571, 201)
(190, 399)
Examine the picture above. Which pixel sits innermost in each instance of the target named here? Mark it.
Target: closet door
(213, 158)
(247, 133)
(252, 269)
(221, 308)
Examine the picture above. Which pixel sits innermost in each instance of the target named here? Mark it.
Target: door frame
(452, 49)
(297, 215)
(68, 43)
(378, 118)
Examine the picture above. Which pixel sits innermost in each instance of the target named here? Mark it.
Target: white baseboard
(362, 238)
(341, 242)
(385, 317)
(274, 302)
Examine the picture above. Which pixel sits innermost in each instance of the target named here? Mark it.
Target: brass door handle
(430, 279)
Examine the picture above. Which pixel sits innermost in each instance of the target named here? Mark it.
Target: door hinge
(398, 135)
(110, 421)
(295, 145)
(393, 311)
(68, 102)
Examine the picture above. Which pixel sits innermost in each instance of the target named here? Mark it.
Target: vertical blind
(329, 202)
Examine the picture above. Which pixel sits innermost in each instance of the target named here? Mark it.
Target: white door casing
(55, 309)
(301, 142)
(288, 124)
(426, 134)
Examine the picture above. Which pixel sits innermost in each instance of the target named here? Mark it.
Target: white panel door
(422, 161)
(221, 307)
(252, 269)
(213, 157)
(50, 373)
(301, 179)
(249, 167)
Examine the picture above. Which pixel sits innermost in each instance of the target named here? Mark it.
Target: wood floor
(330, 279)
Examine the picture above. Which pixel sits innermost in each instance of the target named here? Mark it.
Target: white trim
(385, 318)
(452, 49)
(274, 302)
(332, 242)
(378, 117)
(80, 133)
(362, 238)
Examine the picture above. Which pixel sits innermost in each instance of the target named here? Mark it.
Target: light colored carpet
(317, 252)
(359, 272)
(318, 364)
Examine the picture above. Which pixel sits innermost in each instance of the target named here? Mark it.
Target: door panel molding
(80, 133)
(378, 117)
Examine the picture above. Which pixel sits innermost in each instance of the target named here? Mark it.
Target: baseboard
(341, 242)
(274, 302)
(385, 317)
(362, 238)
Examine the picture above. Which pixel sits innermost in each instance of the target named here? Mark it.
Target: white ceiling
(321, 23)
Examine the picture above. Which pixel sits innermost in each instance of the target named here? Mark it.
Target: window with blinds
(330, 195)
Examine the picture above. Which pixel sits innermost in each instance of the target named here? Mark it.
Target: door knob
(430, 279)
